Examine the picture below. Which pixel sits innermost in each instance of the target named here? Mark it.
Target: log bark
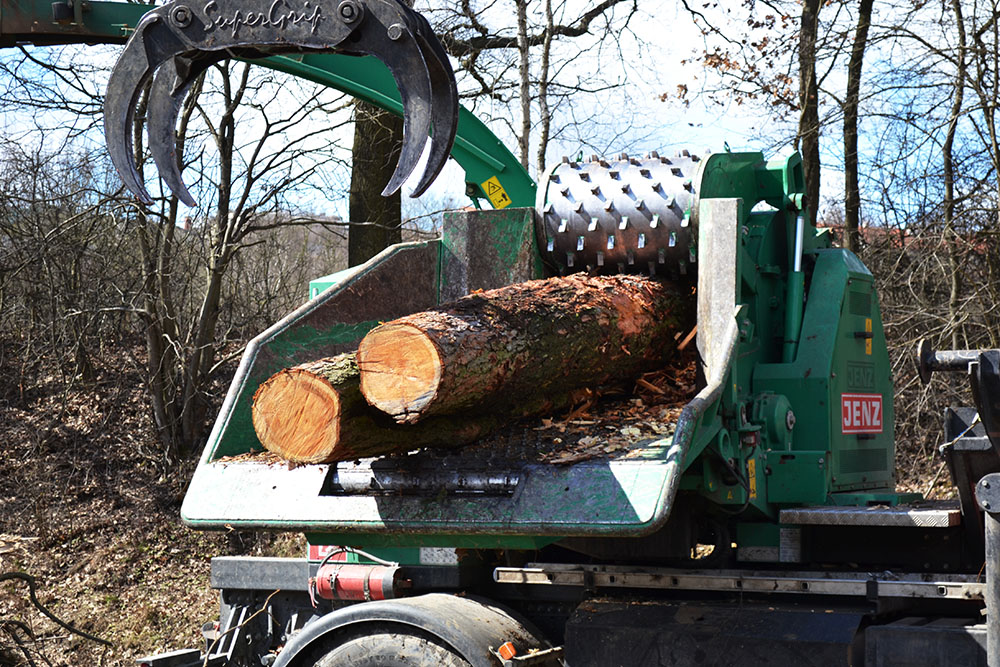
(315, 413)
(522, 349)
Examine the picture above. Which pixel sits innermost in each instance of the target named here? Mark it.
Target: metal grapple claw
(444, 114)
(177, 42)
(166, 96)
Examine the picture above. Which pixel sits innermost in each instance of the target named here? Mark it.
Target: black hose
(30, 580)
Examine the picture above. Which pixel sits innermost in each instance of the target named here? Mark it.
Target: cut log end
(401, 369)
(296, 415)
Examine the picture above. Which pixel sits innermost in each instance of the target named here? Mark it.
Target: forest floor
(89, 509)
(89, 515)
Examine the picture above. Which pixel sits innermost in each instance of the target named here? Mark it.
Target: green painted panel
(487, 249)
(798, 477)
(295, 340)
(873, 498)
(24, 21)
(758, 535)
(404, 540)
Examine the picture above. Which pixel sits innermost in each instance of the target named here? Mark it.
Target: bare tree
(809, 125)
(757, 64)
(948, 163)
(524, 65)
(260, 149)
(55, 223)
(251, 176)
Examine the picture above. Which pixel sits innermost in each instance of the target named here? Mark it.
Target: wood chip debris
(257, 456)
(651, 414)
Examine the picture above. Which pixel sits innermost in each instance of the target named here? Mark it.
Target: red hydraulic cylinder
(355, 581)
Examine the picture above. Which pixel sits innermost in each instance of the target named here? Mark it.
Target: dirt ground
(89, 511)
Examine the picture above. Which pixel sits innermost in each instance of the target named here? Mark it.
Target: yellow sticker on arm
(495, 192)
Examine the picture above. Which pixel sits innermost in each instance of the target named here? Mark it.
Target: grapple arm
(175, 43)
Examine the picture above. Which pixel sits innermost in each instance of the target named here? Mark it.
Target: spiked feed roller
(173, 44)
(627, 215)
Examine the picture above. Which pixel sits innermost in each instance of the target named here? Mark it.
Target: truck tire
(388, 646)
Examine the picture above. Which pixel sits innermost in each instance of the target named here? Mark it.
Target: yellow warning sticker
(868, 339)
(495, 192)
(752, 474)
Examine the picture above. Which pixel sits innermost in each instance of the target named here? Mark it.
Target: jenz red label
(861, 413)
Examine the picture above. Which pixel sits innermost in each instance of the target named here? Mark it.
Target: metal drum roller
(630, 215)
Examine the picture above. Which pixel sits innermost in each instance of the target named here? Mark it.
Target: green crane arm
(491, 170)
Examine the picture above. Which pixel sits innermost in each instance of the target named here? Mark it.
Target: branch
(464, 47)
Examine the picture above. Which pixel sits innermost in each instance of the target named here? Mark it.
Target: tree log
(522, 349)
(314, 413)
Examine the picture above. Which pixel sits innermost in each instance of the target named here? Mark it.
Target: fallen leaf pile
(90, 508)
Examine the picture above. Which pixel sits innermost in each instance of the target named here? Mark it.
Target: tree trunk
(948, 158)
(378, 137)
(852, 189)
(315, 413)
(524, 78)
(544, 114)
(522, 349)
(809, 102)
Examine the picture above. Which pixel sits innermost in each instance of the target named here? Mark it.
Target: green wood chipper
(759, 525)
